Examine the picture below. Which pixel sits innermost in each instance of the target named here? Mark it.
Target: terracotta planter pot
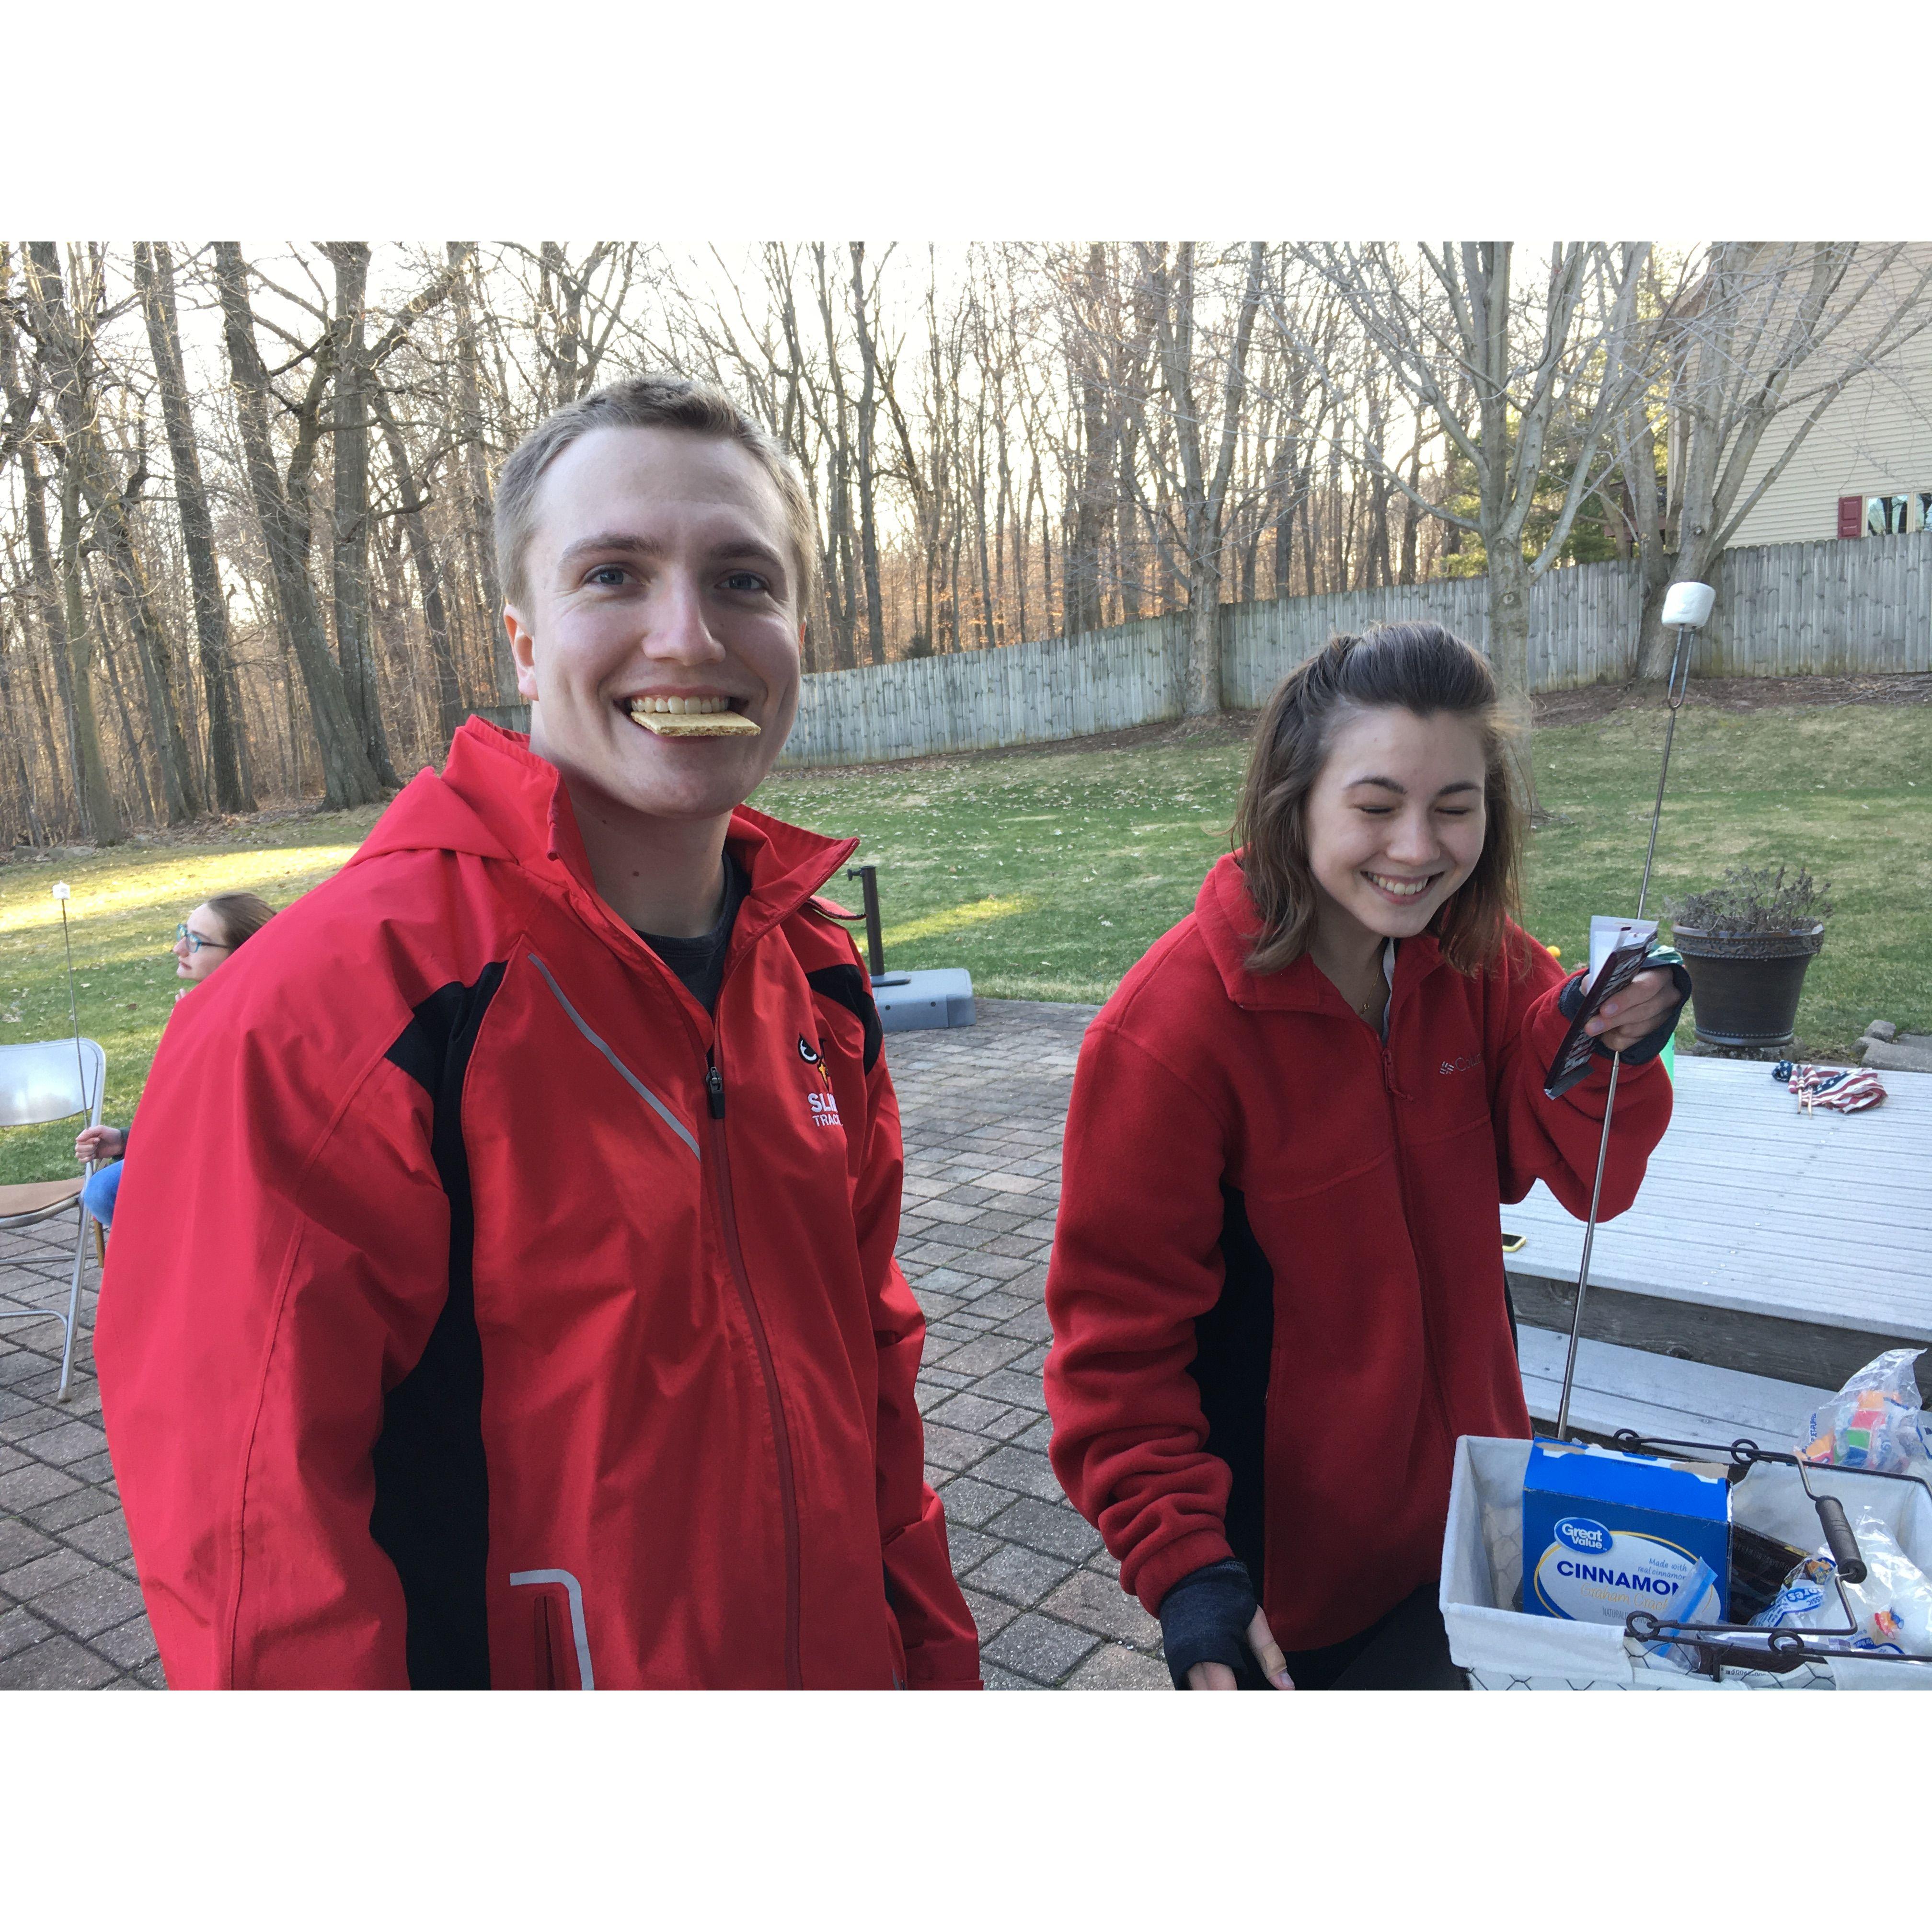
(1744, 991)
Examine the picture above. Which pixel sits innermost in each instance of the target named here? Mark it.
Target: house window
(1885, 516)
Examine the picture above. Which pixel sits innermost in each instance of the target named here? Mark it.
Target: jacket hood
(497, 799)
(1229, 924)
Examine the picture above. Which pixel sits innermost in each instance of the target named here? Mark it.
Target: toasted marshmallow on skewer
(691, 717)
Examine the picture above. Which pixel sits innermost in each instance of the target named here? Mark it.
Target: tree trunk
(163, 714)
(60, 805)
(1129, 535)
(1048, 627)
(99, 819)
(155, 274)
(48, 597)
(18, 734)
(987, 640)
(1651, 658)
(449, 706)
(348, 779)
(1202, 697)
(1509, 622)
(66, 357)
(868, 412)
(1411, 516)
(136, 755)
(1081, 566)
(349, 556)
(479, 523)
(840, 586)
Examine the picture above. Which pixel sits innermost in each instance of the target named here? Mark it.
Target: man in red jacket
(507, 1298)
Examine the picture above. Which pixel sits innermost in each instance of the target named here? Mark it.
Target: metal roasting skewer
(73, 1005)
(1674, 695)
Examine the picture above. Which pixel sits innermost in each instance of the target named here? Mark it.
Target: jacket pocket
(560, 1643)
(543, 1676)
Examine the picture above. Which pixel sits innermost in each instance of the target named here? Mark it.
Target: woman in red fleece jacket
(1277, 1290)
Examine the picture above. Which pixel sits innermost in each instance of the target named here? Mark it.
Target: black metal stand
(868, 877)
(1744, 1646)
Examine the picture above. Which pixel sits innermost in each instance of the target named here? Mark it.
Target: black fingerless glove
(1571, 999)
(1204, 1619)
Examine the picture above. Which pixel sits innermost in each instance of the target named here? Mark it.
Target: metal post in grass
(1687, 607)
(868, 877)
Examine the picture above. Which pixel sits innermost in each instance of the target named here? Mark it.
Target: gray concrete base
(1910, 1053)
(939, 996)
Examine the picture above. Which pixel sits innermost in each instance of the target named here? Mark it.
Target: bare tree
(1553, 369)
(1761, 344)
(478, 535)
(1201, 487)
(429, 574)
(349, 779)
(62, 619)
(868, 454)
(349, 549)
(65, 331)
(155, 277)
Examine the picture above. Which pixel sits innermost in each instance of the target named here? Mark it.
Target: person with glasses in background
(211, 934)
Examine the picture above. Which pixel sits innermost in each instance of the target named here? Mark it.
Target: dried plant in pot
(1747, 942)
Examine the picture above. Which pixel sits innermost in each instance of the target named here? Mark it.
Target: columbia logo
(1463, 1063)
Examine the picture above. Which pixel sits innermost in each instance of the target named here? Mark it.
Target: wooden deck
(1791, 1246)
(1683, 1401)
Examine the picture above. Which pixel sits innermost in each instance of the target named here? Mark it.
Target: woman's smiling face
(1395, 822)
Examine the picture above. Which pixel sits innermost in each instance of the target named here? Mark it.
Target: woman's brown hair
(242, 915)
(1417, 668)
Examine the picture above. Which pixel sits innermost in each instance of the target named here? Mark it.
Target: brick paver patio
(983, 1110)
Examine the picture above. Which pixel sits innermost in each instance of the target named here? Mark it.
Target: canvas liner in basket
(1502, 1649)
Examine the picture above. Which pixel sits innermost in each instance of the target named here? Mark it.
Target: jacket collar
(1229, 924)
(496, 798)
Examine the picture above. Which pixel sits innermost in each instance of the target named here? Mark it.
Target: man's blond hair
(659, 400)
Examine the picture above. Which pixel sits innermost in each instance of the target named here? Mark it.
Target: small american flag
(1844, 1089)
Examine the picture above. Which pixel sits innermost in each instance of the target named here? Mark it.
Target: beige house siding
(1875, 440)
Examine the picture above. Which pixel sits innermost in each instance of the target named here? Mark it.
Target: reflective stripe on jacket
(478, 1313)
(1277, 1288)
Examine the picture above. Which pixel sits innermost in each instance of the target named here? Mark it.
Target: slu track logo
(824, 1110)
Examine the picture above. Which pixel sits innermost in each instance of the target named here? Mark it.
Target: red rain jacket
(477, 1313)
(1276, 1288)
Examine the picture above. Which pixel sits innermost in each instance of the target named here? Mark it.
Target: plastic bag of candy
(1892, 1607)
(1874, 1422)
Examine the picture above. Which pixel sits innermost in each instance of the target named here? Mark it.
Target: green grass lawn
(122, 917)
(1047, 873)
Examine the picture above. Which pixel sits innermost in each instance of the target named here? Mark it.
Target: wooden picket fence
(1783, 610)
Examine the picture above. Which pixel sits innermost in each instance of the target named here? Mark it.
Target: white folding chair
(40, 1081)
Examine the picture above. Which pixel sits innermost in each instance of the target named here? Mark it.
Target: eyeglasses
(196, 942)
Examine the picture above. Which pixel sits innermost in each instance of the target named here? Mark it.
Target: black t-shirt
(700, 962)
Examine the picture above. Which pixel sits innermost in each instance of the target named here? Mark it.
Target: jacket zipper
(714, 1088)
(1390, 1091)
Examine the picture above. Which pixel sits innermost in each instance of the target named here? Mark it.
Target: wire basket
(1777, 1499)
